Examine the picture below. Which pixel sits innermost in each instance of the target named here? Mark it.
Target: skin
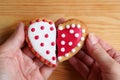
(18, 63)
(97, 60)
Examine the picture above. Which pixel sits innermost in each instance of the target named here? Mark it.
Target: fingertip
(91, 41)
(21, 29)
(19, 34)
(60, 21)
(20, 24)
(92, 38)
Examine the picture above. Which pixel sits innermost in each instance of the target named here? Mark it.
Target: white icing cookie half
(41, 38)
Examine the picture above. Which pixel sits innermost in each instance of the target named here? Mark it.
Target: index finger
(59, 21)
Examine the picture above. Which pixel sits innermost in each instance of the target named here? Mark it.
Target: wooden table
(101, 16)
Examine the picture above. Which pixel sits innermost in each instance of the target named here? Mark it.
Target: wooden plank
(101, 16)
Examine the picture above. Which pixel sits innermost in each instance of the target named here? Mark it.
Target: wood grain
(101, 16)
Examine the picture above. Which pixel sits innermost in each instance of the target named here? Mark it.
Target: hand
(97, 60)
(18, 63)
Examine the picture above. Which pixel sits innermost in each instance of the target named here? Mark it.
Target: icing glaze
(71, 31)
(66, 55)
(82, 38)
(62, 49)
(78, 26)
(52, 43)
(42, 36)
(36, 37)
(78, 44)
(70, 43)
(38, 20)
(60, 28)
(73, 25)
(63, 35)
(59, 58)
(53, 58)
(50, 22)
(76, 35)
(33, 29)
(46, 35)
(42, 27)
(62, 42)
(51, 28)
(41, 44)
(47, 51)
(73, 50)
(83, 30)
(67, 26)
(72, 36)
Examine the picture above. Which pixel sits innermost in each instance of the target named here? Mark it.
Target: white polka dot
(78, 44)
(73, 50)
(83, 30)
(76, 35)
(73, 25)
(62, 42)
(70, 43)
(82, 38)
(71, 31)
(62, 49)
(66, 55)
(63, 35)
(67, 26)
(78, 26)
(60, 28)
(59, 58)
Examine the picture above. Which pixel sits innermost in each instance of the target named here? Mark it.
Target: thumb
(16, 39)
(97, 52)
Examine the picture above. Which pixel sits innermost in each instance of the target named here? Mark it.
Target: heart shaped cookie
(70, 38)
(43, 41)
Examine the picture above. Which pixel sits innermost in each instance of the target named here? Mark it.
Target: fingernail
(92, 38)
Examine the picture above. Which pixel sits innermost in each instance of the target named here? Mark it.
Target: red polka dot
(38, 20)
(47, 52)
(42, 27)
(31, 22)
(50, 22)
(53, 58)
(44, 20)
(33, 29)
(53, 43)
(46, 35)
(51, 28)
(26, 28)
(41, 44)
(36, 37)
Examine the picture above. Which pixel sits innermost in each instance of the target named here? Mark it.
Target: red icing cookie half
(70, 38)
(41, 39)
